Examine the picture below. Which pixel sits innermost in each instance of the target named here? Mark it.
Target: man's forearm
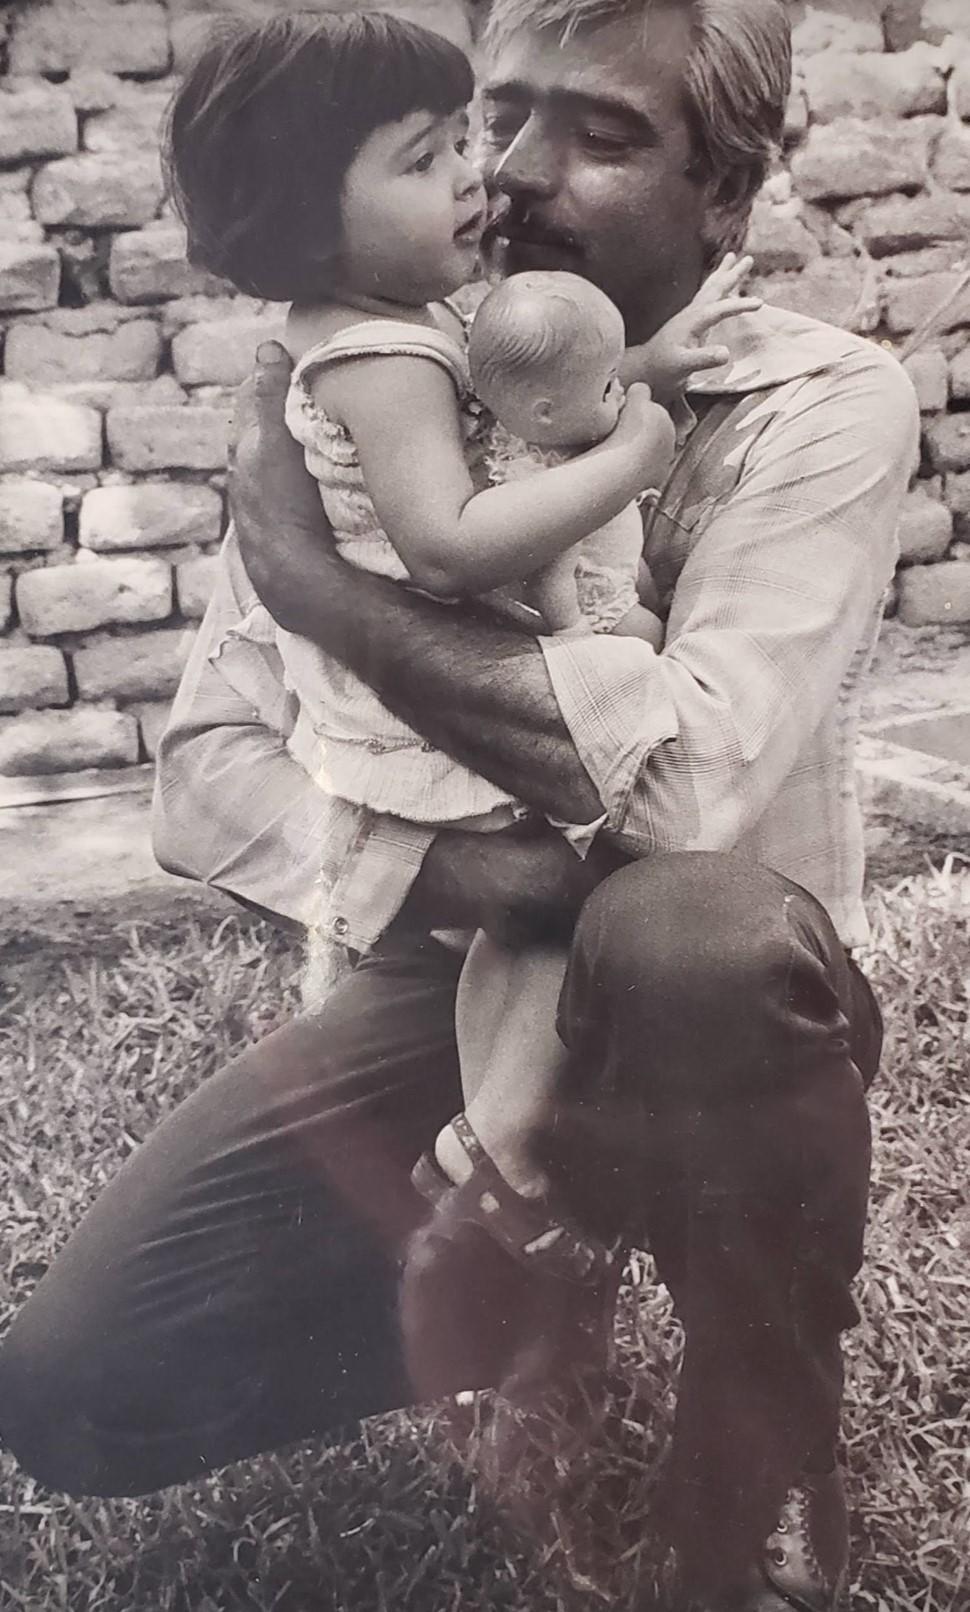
(472, 686)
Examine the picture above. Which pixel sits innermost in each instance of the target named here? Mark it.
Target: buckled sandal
(534, 1231)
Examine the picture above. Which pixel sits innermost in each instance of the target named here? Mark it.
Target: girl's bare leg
(510, 1055)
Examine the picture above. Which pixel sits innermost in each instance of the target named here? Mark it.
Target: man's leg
(719, 1044)
(235, 1287)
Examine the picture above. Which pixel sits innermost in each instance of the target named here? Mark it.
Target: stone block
(960, 88)
(942, 19)
(221, 352)
(778, 239)
(909, 301)
(873, 86)
(902, 23)
(30, 276)
(36, 120)
(198, 309)
(32, 675)
(133, 125)
(951, 166)
(852, 157)
(68, 34)
(99, 191)
(67, 741)
(935, 595)
(43, 357)
(960, 375)
(149, 265)
(105, 395)
(40, 432)
(149, 515)
(958, 496)
(948, 442)
(93, 593)
(194, 582)
(31, 517)
(908, 223)
(152, 718)
(844, 25)
(93, 90)
(186, 438)
(14, 200)
(133, 667)
(930, 374)
(837, 292)
(925, 529)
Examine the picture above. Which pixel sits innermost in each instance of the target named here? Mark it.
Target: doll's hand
(668, 360)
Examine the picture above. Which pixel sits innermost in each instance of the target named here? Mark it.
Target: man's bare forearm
(472, 686)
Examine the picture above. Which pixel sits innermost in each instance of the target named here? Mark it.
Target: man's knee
(43, 1420)
(706, 962)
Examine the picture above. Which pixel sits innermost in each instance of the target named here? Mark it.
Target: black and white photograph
(485, 806)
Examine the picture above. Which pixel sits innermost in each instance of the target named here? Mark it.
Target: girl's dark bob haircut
(266, 123)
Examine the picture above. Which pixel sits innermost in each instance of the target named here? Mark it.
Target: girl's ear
(541, 411)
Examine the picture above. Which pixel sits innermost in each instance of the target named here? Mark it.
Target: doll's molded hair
(531, 323)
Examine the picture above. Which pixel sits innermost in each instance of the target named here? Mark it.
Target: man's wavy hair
(266, 123)
(736, 86)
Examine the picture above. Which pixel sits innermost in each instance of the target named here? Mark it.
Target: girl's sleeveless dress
(357, 749)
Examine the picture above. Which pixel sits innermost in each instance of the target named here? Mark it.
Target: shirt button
(340, 926)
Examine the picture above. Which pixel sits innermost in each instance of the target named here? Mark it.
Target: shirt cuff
(613, 697)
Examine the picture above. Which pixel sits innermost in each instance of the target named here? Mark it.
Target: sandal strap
(533, 1230)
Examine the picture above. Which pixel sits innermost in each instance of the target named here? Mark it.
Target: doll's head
(544, 352)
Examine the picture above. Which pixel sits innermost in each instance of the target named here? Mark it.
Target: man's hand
(522, 886)
(282, 529)
(675, 353)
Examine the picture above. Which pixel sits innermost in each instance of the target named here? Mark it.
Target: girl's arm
(639, 622)
(402, 415)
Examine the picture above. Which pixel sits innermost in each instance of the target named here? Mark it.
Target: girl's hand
(668, 360)
(646, 431)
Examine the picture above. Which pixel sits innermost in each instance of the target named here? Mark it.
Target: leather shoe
(804, 1566)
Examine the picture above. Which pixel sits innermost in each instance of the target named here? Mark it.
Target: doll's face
(572, 402)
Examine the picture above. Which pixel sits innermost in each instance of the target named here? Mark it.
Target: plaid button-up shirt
(772, 546)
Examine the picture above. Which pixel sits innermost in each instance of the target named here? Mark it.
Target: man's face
(590, 143)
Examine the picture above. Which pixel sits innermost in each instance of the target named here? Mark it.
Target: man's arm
(475, 688)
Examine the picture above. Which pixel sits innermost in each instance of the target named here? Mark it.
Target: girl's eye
(424, 163)
(461, 145)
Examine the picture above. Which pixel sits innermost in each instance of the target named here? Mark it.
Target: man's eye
(501, 128)
(423, 163)
(604, 145)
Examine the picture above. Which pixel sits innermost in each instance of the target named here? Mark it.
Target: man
(719, 1036)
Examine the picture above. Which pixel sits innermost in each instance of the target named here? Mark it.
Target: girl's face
(412, 211)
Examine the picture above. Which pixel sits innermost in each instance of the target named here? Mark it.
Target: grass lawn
(103, 1029)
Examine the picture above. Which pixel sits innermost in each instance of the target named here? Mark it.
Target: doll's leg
(510, 1054)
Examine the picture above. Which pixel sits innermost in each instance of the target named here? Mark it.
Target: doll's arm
(668, 360)
(401, 414)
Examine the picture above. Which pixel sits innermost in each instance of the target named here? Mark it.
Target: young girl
(323, 161)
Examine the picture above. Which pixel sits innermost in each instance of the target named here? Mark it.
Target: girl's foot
(512, 1163)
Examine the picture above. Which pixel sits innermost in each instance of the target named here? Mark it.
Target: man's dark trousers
(235, 1287)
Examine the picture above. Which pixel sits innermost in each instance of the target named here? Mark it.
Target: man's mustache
(525, 224)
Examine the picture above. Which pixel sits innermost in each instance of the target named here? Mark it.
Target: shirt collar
(771, 347)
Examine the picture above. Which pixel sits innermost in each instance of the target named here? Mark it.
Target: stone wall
(119, 359)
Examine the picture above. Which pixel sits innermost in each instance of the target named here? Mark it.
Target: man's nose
(530, 165)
